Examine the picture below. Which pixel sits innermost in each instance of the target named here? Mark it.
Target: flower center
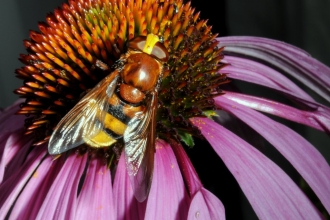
(81, 43)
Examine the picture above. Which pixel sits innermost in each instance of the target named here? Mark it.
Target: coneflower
(83, 42)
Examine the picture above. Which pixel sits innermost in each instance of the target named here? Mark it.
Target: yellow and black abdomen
(115, 123)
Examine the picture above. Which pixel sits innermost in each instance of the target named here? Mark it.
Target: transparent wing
(139, 139)
(82, 120)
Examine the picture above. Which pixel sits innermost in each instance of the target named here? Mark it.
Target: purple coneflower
(87, 183)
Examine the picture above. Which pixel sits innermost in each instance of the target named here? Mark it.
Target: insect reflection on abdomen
(122, 107)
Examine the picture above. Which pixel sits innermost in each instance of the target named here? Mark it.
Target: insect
(121, 107)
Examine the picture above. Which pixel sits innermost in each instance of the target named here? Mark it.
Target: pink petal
(60, 202)
(316, 119)
(205, 205)
(168, 198)
(302, 155)
(9, 121)
(258, 73)
(287, 58)
(11, 188)
(32, 196)
(270, 191)
(188, 171)
(13, 150)
(126, 206)
(95, 200)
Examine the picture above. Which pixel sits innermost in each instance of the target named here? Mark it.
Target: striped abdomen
(115, 123)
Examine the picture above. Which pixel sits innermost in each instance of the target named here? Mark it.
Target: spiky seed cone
(60, 64)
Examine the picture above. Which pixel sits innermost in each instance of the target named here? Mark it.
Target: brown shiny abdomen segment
(141, 71)
(129, 110)
(131, 94)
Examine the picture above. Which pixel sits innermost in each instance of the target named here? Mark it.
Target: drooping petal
(95, 200)
(188, 171)
(258, 73)
(206, 206)
(300, 153)
(11, 188)
(126, 206)
(168, 198)
(60, 202)
(285, 57)
(270, 191)
(316, 119)
(13, 150)
(32, 196)
(9, 121)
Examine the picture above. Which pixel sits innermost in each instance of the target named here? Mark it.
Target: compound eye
(137, 43)
(159, 51)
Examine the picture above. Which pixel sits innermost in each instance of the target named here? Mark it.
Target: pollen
(35, 175)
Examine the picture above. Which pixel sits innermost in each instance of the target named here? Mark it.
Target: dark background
(304, 23)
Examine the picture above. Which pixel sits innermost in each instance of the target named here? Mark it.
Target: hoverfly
(121, 107)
